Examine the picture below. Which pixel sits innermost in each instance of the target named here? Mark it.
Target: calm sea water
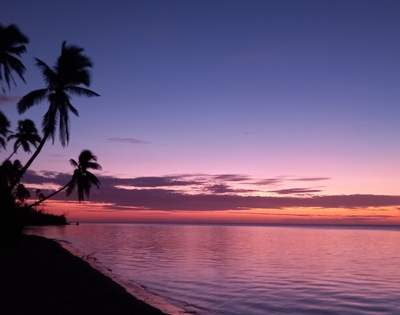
(251, 270)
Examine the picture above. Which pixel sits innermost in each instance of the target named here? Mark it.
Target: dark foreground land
(38, 276)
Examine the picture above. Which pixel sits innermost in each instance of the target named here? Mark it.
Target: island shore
(38, 276)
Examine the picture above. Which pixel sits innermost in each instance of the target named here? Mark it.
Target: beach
(38, 276)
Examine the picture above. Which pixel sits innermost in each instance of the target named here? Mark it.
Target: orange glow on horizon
(98, 212)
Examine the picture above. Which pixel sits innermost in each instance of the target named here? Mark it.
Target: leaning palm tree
(25, 136)
(82, 179)
(4, 125)
(12, 46)
(70, 76)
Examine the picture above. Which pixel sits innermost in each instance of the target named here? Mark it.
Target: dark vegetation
(34, 270)
(39, 277)
(69, 77)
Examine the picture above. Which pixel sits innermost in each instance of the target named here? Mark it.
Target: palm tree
(8, 173)
(21, 193)
(82, 179)
(70, 76)
(4, 124)
(12, 46)
(25, 136)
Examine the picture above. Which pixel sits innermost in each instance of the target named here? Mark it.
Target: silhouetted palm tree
(21, 193)
(12, 46)
(82, 179)
(4, 124)
(9, 171)
(64, 80)
(25, 136)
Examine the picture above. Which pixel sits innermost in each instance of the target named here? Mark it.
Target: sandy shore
(38, 276)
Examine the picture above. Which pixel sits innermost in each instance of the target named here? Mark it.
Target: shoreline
(134, 289)
(41, 276)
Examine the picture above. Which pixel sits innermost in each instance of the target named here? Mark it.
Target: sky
(292, 99)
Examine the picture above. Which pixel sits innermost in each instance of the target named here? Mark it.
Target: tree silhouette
(21, 193)
(25, 136)
(9, 171)
(82, 179)
(12, 46)
(68, 77)
(4, 125)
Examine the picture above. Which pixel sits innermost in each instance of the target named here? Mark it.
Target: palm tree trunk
(34, 155)
(49, 196)
(31, 159)
(11, 155)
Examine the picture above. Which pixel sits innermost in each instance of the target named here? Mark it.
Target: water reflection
(252, 270)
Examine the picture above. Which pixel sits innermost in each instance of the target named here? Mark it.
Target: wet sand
(38, 276)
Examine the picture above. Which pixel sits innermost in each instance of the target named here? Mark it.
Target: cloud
(32, 177)
(269, 181)
(202, 182)
(162, 181)
(291, 191)
(310, 179)
(232, 177)
(224, 188)
(127, 140)
(4, 99)
(109, 181)
(166, 199)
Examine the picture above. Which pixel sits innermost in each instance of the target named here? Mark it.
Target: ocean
(249, 270)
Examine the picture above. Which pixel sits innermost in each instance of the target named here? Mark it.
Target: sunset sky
(226, 111)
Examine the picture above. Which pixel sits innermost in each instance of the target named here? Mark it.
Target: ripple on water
(251, 270)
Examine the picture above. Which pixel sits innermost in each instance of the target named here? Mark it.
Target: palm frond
(3, 142)
(10, 137)
(14, 35)
(35, 140)
(82, 179)
(25, 136)
(4, 124)
(93, 179)
(63, 125)
(8, 77)
(72, 65)
(80, 91)
(12, 46)
(17, 66)
(73, 163)
(48, 74)
(93, 165)
(17, 143)
(17, 50)
(86, 156)
(31, 99)
(73, 109)
(50, 120)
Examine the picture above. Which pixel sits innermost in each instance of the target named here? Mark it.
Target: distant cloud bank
(197, 192)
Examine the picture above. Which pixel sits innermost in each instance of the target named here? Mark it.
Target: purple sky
(267, 89)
